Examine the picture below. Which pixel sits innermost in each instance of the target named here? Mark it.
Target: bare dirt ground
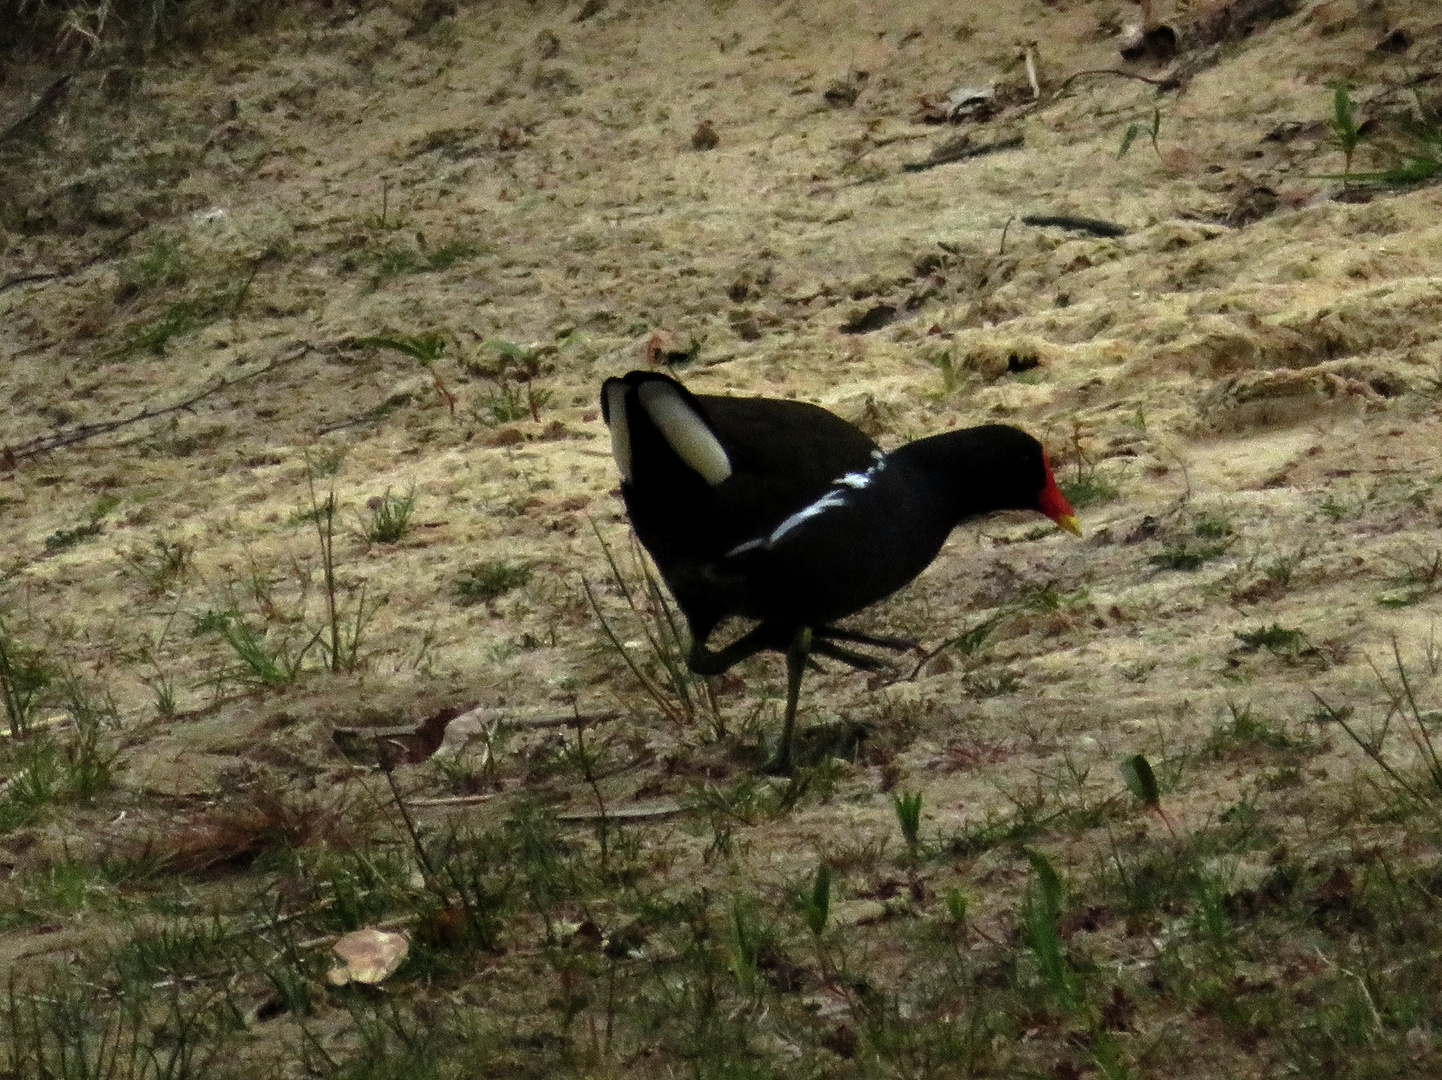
(1243, 391)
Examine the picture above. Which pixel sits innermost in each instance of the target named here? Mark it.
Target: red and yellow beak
(1053, 504)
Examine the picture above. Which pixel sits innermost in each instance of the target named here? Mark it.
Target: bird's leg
(704, 661)
(836, 633)
(796, 655)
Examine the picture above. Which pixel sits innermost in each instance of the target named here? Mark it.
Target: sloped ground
(391, 255)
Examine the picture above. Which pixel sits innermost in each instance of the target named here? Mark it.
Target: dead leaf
(367, 956)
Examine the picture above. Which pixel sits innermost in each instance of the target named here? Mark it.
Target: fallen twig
(1095, 226)
(1001, 249)
(455, 800)
(574, 720)
(45, 443)
(107, 252)
(653, 812)
(1170, 82)
(907, 136)
(945, 155)
(47, 97)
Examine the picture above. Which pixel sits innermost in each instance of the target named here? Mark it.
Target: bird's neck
(966, 473)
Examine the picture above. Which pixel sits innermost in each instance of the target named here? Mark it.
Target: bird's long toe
(837, 633)
(860, 661)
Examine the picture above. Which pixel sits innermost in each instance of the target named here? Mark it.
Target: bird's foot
(704, 661)
(855, 637)
(860, 661)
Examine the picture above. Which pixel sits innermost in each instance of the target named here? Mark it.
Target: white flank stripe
(833, 498)
(820, 506)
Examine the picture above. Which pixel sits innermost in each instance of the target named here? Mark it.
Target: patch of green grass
(1413, 774)
(447, 255)
(1410, 149)
(1184, 872)
(986, 684)
(1418, 579)
(390, 517)
(209, 621)
(1186, 555)
(997, 830)
(504, 404)
(510, 402)
(302, 515)
(189, 444)
(426, 347)
(1277, 639)
(353, 888)
(264, 658)
(176, 319)
(1211, 536)
(1345, 129)
(816, 905)
(25, 675)
(1152, 130)
(1041, 913)
(393, 260)
(1280, 570)
(399, 1042)
(968, 643)
(61, 539)
(396, 259)
(908, 816)
(515, 369)
(659, 666)
(1212, 527)
(33, 785)
(1334, 508)
(62, 1029)
(47, 768)
(164, 565)
(61, 888)
(1088, 488)
(952, 375)
(87, 760)
(485, 581)
(1244, 728)
(746, 802)
(348, 613)
(179, 949)
(1048, 597)
(325, 461)
(159, 266)
(1141, 781)
(1431, 385)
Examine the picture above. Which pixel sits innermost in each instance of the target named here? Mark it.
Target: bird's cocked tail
(658, 400)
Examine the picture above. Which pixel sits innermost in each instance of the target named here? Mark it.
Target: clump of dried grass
(236, 836)
(79, 28)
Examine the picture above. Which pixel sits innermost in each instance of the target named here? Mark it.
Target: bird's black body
(784, 513)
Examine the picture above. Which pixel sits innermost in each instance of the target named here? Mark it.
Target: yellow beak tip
(1069, 523)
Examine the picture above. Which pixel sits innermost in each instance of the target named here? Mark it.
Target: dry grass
(263, 824)
(389, 253)
(85, 28)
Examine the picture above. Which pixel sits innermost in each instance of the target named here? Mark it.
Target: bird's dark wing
(784, 456)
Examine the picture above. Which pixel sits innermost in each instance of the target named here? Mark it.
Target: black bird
(784, 513)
